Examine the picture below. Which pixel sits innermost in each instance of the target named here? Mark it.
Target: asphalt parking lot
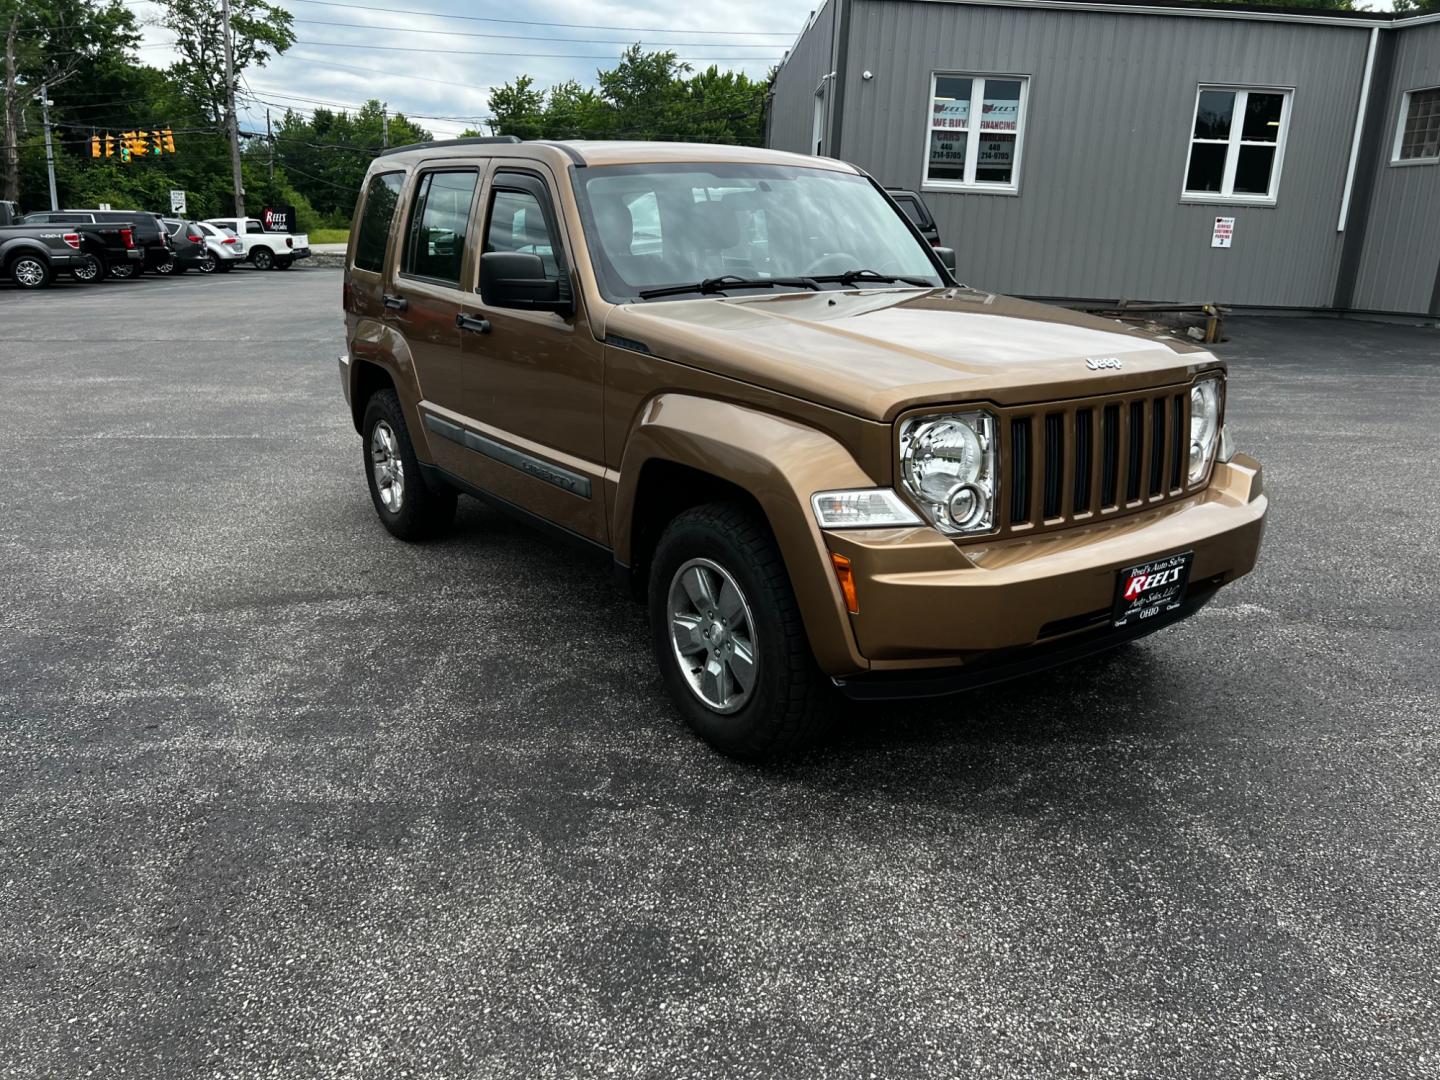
(283, 797)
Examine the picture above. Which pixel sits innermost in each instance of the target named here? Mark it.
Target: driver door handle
(395, 303)
(473, 323)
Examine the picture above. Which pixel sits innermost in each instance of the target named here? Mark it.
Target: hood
(877, 353)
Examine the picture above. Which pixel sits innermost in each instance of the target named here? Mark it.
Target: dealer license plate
(1150, 589)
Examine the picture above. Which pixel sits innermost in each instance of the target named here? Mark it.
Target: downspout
(1359, 127)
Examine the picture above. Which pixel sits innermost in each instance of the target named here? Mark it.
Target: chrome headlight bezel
(1206, 412)
(949, 469)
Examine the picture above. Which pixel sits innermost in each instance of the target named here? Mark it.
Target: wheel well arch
(665, 490)
(367, 380)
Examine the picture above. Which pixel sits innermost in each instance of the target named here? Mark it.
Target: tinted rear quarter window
(381, 196)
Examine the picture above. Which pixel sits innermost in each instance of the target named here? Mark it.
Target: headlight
(865, 508)
(1204, 425)
(947, 464)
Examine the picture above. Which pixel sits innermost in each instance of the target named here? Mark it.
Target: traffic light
(136, 143)
(94, 145)
(169, 141)
(109, 146)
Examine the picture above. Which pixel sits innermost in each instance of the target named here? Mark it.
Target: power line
(529, 22)
(517, 55)
(549, 37)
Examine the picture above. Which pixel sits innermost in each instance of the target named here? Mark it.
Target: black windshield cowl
(856, 277)
(725, 283)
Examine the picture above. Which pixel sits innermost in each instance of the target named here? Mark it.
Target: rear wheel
(263, 258)
(88, 271)
(224, 266)
(208, 263)
(283, 264)
(727, 634)
(169, 266)
(123, 271)
(30, 271)
(409, 507)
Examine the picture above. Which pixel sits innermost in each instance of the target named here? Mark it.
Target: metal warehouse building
(1100, 151)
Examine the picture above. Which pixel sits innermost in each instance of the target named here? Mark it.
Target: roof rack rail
(473, 140)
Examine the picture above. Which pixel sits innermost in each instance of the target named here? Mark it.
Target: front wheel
(263, 258)
(727, 634)
(407, 505)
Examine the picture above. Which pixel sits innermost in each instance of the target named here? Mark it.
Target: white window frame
(973, 133)
(1395, 158)
(1227, 193)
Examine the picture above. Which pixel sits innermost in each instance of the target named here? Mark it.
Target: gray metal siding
(1111, 104)
(1401, 256)
(793, 108)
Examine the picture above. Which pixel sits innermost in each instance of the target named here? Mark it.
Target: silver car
(223, 249)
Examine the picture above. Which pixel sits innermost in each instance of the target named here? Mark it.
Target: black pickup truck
(146, 232)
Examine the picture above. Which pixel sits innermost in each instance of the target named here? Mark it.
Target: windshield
(652, 226)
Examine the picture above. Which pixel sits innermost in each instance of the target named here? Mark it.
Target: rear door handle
(473, 323)
(396, 303)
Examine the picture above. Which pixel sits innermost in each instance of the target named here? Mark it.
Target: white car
(266, 250)
(223, 249)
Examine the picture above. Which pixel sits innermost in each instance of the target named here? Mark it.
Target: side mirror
(947, 257)
(514, 279)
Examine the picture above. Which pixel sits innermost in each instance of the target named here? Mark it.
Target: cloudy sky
(440, 58)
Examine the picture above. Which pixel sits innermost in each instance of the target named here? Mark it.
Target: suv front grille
(1071, 462)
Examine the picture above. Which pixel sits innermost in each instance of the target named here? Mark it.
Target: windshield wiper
(851, 277)
(727, 281)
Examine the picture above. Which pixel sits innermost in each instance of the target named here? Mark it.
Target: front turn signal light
(846, 576)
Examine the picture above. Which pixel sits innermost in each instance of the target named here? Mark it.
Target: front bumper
(926, 602)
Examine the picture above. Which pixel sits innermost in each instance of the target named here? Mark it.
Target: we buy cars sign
(278, 219)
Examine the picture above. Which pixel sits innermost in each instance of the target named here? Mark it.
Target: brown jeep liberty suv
(745, 376)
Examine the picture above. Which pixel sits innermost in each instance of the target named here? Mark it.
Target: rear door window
(381, 197)
(439, 220)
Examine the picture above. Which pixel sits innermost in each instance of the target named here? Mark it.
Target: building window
(1418, 136)
(1237, 144)
(976, 130)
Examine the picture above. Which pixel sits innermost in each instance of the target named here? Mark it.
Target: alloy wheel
(207, 264)
(87, 271)
(29, 272)
(387, 467)
(713, 635)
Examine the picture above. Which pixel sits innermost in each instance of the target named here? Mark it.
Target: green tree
(259, 30)
(1415, 7)
(518, 109)
(51, 43)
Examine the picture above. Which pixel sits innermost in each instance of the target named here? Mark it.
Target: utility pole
(49, 150)
(230, 114)
(385, 127)
(270, 134)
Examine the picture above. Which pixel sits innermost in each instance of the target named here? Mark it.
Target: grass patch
(329, 236)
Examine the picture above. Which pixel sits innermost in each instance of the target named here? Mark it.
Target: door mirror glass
(516, 279)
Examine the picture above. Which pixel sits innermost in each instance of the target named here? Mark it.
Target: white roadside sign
(1224, 230)
(177, 202)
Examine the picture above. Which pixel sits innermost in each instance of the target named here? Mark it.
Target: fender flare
(381, 345)
(781, 463)
(16, 245)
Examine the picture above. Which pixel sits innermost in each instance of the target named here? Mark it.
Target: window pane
(995, 158)
(1262, 117)
(951, 107)
(1212, 114)
(1421, 138)
(380, 200)
(1252, 173)
(1207, 167)
(1001, 111)
(517, 223)
(435, 245)
(947, 155)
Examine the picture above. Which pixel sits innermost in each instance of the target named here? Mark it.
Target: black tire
(168, 267)
(90, 272)
(30, 271)
(123, 271)
(262, 258)
(224, 266)
(421, 512)
(284, 264)
(208, 263)
(789, 704)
